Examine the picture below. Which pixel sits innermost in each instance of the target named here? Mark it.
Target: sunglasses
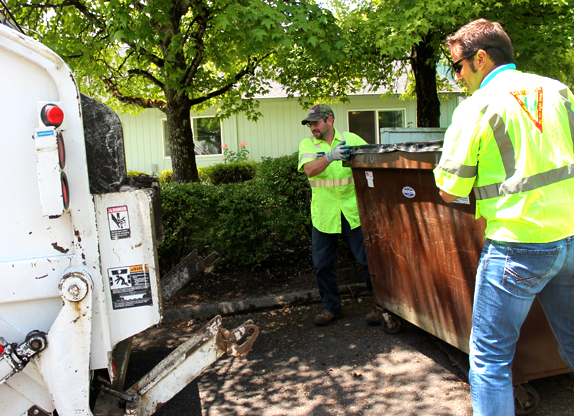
(316, 123)
(457, 66)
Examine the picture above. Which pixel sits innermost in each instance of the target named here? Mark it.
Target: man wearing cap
(334, 209)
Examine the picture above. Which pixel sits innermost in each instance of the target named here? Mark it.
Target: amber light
(52, 115)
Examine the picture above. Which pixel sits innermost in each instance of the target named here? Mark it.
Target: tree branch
(200, 46)
(159, 62)
(249, 69)
(147, 75)
(138, 101)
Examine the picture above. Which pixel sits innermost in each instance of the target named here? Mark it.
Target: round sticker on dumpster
(409, 192)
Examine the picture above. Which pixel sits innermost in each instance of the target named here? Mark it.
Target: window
(166, 148)
(367, 123)
(206, 136)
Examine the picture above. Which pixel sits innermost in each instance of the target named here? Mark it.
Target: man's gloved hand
(340, 152)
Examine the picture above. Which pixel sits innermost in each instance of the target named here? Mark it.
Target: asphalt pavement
(346, 368)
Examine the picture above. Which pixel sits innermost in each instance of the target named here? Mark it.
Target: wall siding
(277, 133)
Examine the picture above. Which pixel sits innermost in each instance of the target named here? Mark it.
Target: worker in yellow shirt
(511, 143)
(334, 209)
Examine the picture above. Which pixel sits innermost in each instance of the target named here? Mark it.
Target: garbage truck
(79, 271)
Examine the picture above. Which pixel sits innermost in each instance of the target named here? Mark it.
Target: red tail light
(52, 115)
(61, 151)
(65, 190)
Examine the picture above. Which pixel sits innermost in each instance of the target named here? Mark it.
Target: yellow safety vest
(512, 142)
(333, 190)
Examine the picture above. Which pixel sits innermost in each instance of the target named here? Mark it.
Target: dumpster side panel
(423, 255)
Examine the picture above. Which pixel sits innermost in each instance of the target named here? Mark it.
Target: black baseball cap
(318, 112)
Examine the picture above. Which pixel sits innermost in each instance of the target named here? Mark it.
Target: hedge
(246, 222)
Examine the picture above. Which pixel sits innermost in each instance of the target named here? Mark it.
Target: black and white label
(130, 286)
(119, 222)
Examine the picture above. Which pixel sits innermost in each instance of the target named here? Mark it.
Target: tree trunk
(428, 104)
(178, 112)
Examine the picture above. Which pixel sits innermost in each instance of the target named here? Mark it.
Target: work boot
(325, 318)
(375, 317)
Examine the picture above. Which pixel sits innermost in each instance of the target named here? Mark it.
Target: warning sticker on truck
(130, 286)
(119, 222)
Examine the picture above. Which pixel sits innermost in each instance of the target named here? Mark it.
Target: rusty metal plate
(423, 255)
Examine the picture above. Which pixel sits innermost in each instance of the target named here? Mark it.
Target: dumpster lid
(410, 147)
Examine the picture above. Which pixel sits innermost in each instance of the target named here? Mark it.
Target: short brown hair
(485, 35)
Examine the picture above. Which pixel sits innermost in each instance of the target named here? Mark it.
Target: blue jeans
(325, 256)
(509, 276)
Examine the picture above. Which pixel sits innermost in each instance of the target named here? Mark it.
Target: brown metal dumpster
(423, 253)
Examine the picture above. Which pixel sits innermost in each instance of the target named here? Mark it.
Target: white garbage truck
(78, 268)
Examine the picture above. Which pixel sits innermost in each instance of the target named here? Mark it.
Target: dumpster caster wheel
(525, 400)
(391, 324)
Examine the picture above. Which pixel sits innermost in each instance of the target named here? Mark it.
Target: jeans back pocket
(527, 270)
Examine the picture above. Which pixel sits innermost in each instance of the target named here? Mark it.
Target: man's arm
(315, 167)
(448, 198)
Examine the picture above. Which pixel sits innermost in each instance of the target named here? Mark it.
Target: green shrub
(245, 222)
(228, 173)
(287, 196)
(189, 215)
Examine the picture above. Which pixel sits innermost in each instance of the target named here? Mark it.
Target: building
(277, 133)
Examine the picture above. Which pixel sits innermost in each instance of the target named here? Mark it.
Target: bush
(166, 176)
(287, 195)
(189, 215)
(135, 173)
(228, 173)
(245, 222)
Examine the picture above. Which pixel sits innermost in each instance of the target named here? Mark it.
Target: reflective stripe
(525, 184)
(564, 94)
(332, 182)
(458, 169)
(505, 146)
(317, 145)
(307, 156)
(507, 153)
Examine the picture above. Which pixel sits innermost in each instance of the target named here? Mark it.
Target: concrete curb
(307, 297)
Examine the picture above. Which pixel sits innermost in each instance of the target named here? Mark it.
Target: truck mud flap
(178, 369)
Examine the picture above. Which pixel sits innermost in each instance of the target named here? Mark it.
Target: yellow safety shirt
(333, 190)
(512, 142)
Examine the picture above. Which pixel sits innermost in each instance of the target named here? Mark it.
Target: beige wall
(278, 132)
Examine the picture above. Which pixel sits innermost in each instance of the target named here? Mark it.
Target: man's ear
(483, 58)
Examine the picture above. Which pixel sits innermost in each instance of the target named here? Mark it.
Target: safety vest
(512, 142)
(333, 190)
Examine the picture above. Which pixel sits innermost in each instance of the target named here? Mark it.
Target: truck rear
(78, 259)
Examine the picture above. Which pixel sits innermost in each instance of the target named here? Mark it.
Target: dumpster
(423, 255)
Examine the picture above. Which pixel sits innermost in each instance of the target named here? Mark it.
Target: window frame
(164, 131)
(376, 110)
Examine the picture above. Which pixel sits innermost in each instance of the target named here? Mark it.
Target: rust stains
(60, 249)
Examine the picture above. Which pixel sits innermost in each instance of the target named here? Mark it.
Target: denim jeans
(509, 276)
(325, 256)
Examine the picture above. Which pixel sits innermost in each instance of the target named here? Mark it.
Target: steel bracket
(231, 339)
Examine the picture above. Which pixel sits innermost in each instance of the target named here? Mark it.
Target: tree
(175, 55)
(411, 33)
